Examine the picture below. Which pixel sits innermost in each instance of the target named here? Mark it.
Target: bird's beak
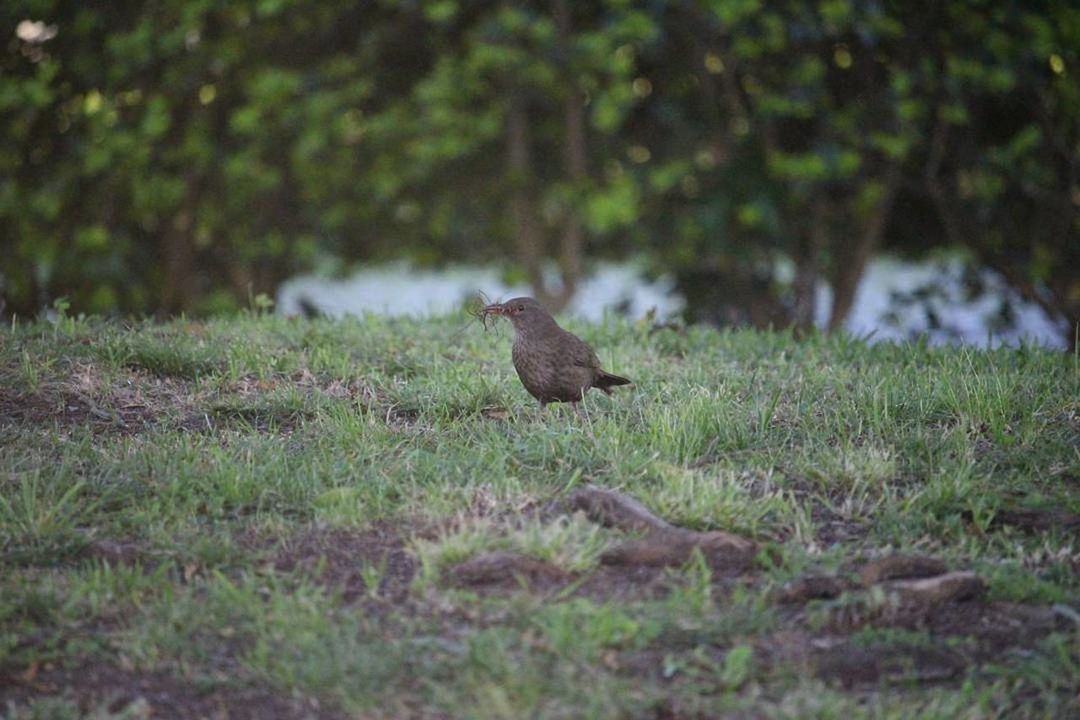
(493, 309)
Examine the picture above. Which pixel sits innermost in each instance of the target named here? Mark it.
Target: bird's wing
(581, 354)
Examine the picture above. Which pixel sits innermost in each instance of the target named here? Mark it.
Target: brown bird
(553, 364)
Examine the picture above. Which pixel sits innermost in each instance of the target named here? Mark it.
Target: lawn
(269, 517)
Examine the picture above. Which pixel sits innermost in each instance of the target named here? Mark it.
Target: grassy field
(261, 517)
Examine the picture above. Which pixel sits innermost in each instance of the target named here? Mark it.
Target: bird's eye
(521, 308)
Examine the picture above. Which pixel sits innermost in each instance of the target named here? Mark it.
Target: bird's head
(521, 311)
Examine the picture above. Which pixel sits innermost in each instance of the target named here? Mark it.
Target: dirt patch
(996, 627)
(831, 526)
(98, 690)
(631, 569)
(623, 583)
(70, 409)
(129, 404)
(1030, 520)
(938, 645)
(851, 664)
(508, 573)
(899, 603)
(955, 627)
(338, 559)
(958, 636)
(138, 400)
(901, 619)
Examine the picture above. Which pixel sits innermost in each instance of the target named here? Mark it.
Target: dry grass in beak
(483, 309)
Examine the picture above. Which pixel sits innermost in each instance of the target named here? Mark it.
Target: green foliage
(186, 155)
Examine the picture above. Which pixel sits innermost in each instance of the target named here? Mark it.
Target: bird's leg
(584, 415)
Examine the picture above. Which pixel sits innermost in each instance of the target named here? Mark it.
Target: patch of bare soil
(70, 409)
(500, 573)
(98, 689)
(127, 405)
(337, 558)
(830, 624)
(911, 593)
(139, 400)
(624, 582)
(959, 635)
(832, 527)
(632, 569)
(1031, 520)
(996, 626)
(851, 664)
(908, 603)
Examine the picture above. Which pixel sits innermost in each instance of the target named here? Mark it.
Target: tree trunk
(528, 235)
(857, 252)
(179, 292)
(572, 241)
(807, 266)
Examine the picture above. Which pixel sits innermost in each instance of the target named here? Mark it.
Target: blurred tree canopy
(181, 155)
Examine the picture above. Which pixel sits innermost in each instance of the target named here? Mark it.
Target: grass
(261, 512)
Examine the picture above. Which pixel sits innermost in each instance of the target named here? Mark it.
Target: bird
(554, 365)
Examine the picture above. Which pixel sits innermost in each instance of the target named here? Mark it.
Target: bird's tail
(607, 380)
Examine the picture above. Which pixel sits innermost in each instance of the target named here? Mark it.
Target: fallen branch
(496, 568)
(664, 544)
(896, 567)
(614, 509)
